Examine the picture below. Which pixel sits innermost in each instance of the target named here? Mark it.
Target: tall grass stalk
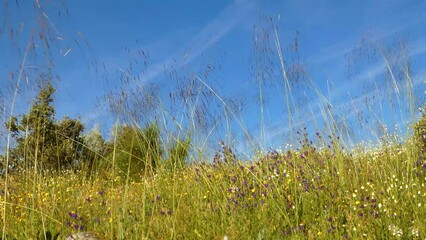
(9, 134)
(316, 189)
(289, 102)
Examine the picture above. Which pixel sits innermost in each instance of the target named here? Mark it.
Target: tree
(69, 141)
(41, 141)
(34, 134)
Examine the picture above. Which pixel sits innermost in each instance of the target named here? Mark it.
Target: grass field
(160, 181)
(309, 193)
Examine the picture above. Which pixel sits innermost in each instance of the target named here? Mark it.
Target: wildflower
(395, 230)
(233, 189)
(414, 232)
(79, 227)
(73, 215)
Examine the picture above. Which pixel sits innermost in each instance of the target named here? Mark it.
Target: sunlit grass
(302, 194)
(320, 190)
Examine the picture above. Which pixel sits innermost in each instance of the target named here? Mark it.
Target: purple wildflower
(73, 215)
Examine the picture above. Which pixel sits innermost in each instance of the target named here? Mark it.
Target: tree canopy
(45, 143)
(41, 140)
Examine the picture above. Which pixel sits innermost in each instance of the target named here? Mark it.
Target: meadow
(152, 180)
(309, 193)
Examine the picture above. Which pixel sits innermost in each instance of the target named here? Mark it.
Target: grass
(309, 193)
(317, 191)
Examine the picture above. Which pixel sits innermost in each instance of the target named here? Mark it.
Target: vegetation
(309, 193)
(49, 145)
(134, 191)
(149, 181)
(42, 142)
(420, 131)
(135, 151)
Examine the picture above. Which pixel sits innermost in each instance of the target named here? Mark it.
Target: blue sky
(94, 44)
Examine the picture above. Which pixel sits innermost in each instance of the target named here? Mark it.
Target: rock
(83, 236)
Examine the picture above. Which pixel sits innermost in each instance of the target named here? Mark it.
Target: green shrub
(420, 132)
(135, 151)
(178, 155)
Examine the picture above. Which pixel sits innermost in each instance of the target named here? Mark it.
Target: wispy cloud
(212, 33)
(196, 44)
(419, 47)
(312, 110)
(385, 29)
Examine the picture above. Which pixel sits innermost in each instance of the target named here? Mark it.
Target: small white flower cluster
(396, 231)
(234, 189)
(274, 175)
(414, 232)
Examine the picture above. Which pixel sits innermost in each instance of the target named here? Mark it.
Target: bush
(135, 152)
(420, 131)
(178, 155)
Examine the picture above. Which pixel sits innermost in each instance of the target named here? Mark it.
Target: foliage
(69, 140)
(420, 131)
(178, 155)
(134, 151)
(299, 194)
(94, 149)
(43, 142)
